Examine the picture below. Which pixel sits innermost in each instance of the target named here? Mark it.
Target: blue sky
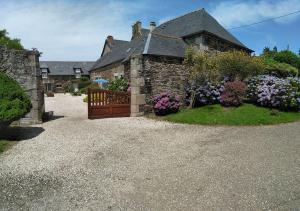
(76, 30)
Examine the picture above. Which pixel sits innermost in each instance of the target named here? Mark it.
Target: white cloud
(67, 30)
(233, 13)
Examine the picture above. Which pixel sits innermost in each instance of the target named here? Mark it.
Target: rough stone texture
(137, 84)
(109, 73)
(23, 66)
(72, 163)
(164, 74)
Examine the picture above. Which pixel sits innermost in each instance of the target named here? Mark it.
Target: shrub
(239, 65)
(165, 103)
(274, 92)
(204, 93)
(14, 103)
(90, 86)
(232, 64)
(288, 57)
(119, 84)
(234, 93)
(279, 69)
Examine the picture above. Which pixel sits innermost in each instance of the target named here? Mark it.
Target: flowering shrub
(270, 91)
(233, 94)
(205, 94)
(165, 103)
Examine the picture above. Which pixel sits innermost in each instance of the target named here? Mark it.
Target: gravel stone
(72, 163)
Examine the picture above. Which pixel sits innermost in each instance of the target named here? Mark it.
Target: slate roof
(66, 67)
(167, 39)
(123, 51)
(194, 23)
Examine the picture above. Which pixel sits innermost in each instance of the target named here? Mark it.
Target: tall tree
(9, 42)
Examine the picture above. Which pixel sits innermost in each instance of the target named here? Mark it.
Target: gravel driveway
(72, 163)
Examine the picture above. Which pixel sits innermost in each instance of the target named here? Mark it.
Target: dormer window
(44, 73)
(78, 72)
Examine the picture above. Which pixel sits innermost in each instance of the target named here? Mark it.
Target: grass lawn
(246, 114)
(4, 145)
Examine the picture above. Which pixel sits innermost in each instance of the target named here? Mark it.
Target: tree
(10, 43)
(14, 103)
(275, 49)
(288, 57)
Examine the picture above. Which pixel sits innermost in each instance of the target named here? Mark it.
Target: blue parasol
(100, 81)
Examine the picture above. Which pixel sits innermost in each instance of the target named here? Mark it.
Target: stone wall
(163, 74)
(109, 72)
(23, 66)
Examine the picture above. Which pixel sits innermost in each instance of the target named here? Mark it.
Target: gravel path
(72, 163)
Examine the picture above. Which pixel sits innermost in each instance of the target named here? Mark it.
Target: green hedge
(14, 103)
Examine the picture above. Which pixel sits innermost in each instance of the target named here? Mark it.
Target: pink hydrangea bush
(233, 94)
(165, 103)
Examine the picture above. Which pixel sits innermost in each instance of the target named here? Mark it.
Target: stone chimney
(136, 30)
(110, 39)
(152, 26)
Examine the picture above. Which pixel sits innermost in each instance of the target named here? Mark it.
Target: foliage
(274, 92)
(204, 93)
(285, 56)
(119, 84)
(4, 145)
(279, 69)
(84, 78)
(234, 93)
(204, 66)
(288, 57)
(90, 86)
(239, 65)
(10, 43)
(232, 64)
(14, 103)
(165, 103)
(247, 114)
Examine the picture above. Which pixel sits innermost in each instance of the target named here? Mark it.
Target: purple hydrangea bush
(165, 103)
(274, 92)
(205, 93)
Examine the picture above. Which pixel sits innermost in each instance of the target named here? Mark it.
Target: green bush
(279, 69)
(288, 57)
(214, 67)
(119, 84)
(14, 103)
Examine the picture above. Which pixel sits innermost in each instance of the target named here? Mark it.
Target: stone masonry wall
(23, 66)
(109, 72)
(164, 74)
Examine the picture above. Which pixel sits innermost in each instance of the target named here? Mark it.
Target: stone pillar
(137, 84)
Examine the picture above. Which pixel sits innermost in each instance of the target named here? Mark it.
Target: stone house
(57, 75)
(153, 59)
(23, 66)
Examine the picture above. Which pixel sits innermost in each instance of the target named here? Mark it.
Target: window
(77, 72)
(45, 75)
(44, 72)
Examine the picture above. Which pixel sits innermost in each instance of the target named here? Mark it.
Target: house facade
(153, 59)
(57, 75)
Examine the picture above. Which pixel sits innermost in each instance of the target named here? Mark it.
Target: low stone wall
(163, 74)
(23, 66)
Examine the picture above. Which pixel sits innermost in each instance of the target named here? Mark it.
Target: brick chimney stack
(109, 39)
(136, 29)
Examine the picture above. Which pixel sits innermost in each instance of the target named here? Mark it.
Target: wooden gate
(104, 104)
